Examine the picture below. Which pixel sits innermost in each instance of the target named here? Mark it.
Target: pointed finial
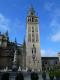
(24, 44)
(15, 40)
(6, 33)
(31, 10)
(15, 47)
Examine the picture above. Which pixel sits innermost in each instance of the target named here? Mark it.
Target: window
(33, 35)
(29, 37)
(29, 19)
(32, 19)
(32, 29)
(33, 52)
(37, 37)
(33, 38)
(34, 48)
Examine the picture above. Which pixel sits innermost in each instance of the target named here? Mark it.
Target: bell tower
(33, 55)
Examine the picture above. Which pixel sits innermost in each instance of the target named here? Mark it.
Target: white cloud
(4, 23)
(56, 37)
(55, 26)
(43, 52)
(48, 53)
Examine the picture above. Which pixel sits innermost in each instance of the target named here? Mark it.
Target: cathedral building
(28, 54)
(7, 50)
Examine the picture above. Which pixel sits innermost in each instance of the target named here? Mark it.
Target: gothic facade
(7, 49)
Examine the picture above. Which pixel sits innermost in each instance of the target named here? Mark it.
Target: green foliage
(51, 73)
(55, 73)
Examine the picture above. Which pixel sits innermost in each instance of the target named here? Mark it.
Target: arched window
(37, 37)
(32, 29)
(33, 38)
(32, 19)
(33, 52)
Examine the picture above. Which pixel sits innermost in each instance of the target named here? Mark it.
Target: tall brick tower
(33, 55)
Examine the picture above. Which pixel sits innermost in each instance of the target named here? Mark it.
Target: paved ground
(26, 76)
(40, 77)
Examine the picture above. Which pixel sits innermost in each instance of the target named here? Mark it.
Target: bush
(51, 73)
(57, 73)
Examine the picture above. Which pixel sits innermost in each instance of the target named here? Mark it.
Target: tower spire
(31, 11)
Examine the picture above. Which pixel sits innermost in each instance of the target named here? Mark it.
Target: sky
(13, 15)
